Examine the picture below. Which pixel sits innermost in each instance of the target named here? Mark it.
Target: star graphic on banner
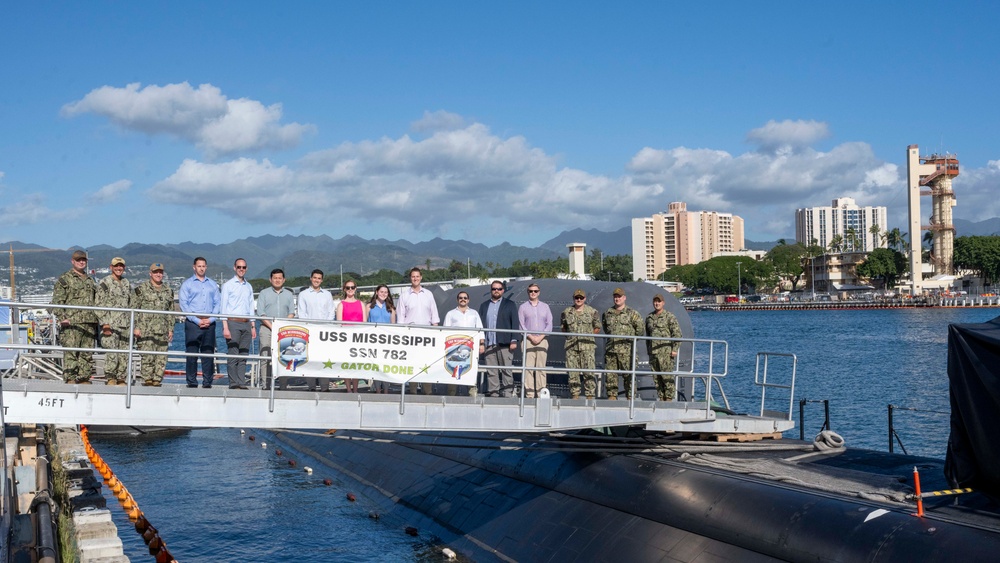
(424, 369)
(328, 364)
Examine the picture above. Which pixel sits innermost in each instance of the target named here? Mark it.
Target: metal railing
(760, 379)
(705, 360)
(893, 435)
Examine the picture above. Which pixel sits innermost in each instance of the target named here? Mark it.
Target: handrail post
(130, 377)
(891, 430)
(802, 419)
(826, 411)
(634, 389)
(524, 372)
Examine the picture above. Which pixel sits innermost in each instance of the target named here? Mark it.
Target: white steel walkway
(54, 402)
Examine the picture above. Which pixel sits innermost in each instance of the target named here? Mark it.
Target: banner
(394, 353)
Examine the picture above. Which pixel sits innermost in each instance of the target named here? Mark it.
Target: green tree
(980, 255)
(885, 265)
(876, 238)
(787, 262)
(896, 239)
(836, 244)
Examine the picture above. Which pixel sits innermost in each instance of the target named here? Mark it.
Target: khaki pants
(535, 356)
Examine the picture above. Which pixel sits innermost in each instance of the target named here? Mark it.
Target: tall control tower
(931, 175)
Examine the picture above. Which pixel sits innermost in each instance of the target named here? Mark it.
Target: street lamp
(812, 275)
(739, 283)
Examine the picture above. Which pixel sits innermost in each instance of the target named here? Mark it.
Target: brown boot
(613, 397)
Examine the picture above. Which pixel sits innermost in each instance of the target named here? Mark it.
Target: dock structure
(54, 402)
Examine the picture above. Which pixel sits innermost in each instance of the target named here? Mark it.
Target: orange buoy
(351, 497)
(149, 534)
(291, 462)
(141, 523)
(163, 556)
(327, 482)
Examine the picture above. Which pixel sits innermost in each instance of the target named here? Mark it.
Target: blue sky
(166, 122)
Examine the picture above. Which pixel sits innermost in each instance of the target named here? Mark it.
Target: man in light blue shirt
(237, 328)
(199, 296)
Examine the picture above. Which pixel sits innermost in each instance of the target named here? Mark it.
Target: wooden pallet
(739, 437)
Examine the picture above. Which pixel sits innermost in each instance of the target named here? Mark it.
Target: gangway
(53, 402)
(47, 399)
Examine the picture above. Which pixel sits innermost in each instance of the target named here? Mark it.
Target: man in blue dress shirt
(200, 298)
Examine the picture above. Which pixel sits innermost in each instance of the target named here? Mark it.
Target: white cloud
(438, 121)
(30, 209)
(976, 192)
(110, 192)
(204, 116)
(788, 135)
(469, 179)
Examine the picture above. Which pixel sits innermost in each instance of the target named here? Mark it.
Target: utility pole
(739, 283)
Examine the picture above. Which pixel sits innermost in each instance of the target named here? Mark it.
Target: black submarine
(628, 494)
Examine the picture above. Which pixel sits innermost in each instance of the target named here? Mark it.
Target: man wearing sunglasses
(77, 327)
(581, 319)
(499, 313)
(237, 328)
(462, 316)
(535, 315)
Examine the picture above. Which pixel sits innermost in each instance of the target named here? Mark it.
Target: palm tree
(836, 244)
(875, 230)
(895, 239)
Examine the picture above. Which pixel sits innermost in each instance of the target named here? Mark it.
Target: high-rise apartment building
(678, 236)
(853, 224)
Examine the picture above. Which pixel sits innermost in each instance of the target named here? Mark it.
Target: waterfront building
(838, 272)
(844, 222)
(677, 237)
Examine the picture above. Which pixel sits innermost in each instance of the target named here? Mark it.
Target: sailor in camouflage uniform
(115, 291)
(582, 319)
(624, 321)
(153, 332)
(77, 328)
(661, 353)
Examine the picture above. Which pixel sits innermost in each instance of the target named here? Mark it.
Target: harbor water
(215, 495)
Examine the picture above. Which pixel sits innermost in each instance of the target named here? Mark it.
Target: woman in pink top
(352, 309)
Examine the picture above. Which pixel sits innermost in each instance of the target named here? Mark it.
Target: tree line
(601, 267)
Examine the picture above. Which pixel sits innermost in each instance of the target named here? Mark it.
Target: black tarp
(973, 458)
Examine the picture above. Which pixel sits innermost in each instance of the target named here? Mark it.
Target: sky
(513, 121)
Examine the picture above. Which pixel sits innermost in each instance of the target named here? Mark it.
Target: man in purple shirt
(200, 298)
(416, 306)
(535, 316)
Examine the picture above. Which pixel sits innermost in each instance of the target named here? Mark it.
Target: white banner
(395, 353)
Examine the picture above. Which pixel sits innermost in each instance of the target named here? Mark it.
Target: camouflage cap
(79, 254)
(618, 291)
(579, 293)
(155, 266)
(658, 297)
(117, 260)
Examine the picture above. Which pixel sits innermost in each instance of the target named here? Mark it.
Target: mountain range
(298, 255)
